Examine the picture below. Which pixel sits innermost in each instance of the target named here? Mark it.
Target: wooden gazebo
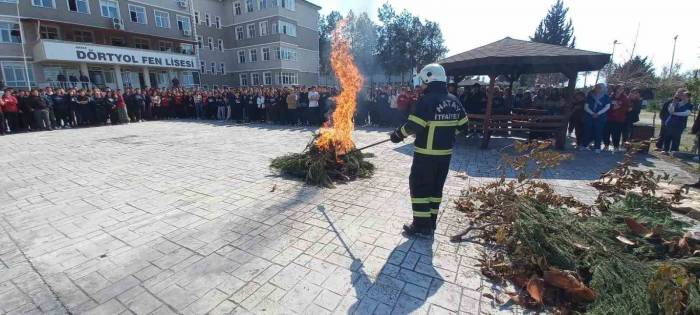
(512, 58)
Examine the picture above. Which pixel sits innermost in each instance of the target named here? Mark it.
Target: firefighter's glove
(396, 137)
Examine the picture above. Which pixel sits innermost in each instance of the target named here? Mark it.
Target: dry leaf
(274, 187)
(581, 246)
(561, 279)
(535, 287)
(625, 240)
(636, 227)
(519, 281)
(654, 233)
(584, 294)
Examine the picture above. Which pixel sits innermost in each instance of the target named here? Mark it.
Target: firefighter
(436, 119)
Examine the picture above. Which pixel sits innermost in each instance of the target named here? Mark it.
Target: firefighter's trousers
(428, 174)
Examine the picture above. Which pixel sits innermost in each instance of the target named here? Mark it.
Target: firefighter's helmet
(432, 73)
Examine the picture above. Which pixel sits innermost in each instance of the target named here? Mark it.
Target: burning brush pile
(624, 255)
(331, 155)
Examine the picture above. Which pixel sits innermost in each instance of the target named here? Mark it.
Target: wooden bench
(553, 126)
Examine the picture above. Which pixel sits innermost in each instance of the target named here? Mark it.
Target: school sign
(47, 50)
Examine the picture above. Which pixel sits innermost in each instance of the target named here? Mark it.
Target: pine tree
(555, 28)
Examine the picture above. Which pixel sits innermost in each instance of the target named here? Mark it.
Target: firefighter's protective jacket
(437, 117)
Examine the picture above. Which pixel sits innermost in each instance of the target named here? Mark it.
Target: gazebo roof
(513, 56)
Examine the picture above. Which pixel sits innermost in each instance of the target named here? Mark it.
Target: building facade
(158, 43)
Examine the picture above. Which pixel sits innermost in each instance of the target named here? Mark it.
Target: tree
(404, 41)
(637, 72)
(363, 34)
(555, 28)
(326, 26)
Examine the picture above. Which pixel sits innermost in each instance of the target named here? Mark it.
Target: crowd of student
(49, 108)
(602, 117)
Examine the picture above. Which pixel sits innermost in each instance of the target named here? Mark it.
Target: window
(118, 41)
(244, 79)
(109, 9)
(83, 36)
(267, 78)
(249, 6)
(263, 28)
(212, 67)
(273, 3)
(162, 18)
(196, 17)
(16, 74)
(80, 6)
(251, 30)
(222, 68)
(9, 33)
(287, 29)
(184, 24)
(263, 4)
(239, 32)
(48, 32)
(202, 66)
(137, 14)
(241, 56)
(288, 54)
(288, 78)
(210, 43)
(253, 55)
(288, 4)
(220, 44)
(237, 8)
(188, 78)
(255, 79)
(217, 21)
(44, 3)
(142, 43)
(187, 49)
(165, 46)
(207, 19)
(276, 53)
(266, 54)
(199, 42)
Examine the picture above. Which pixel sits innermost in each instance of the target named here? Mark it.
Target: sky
(467, 24)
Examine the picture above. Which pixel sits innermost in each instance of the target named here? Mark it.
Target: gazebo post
(489, 110)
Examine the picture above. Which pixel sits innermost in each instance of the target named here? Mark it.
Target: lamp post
(612, 57)
(673, 56)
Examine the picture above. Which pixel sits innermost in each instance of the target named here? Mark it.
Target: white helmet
(432, 73)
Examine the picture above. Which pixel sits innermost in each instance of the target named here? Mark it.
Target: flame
(338, 135)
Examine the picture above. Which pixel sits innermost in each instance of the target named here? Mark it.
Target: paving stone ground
(183, 217)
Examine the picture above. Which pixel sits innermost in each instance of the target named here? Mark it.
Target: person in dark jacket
(26, 112)
(139, 104)
(435, 121)
(663, 115)
(40, 108)
(103, 106)
(86, 112)
(61, 109)
(677, 121)
(635, 108)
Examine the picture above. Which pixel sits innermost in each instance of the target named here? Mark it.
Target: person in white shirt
(314, 110)
(260, 101)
